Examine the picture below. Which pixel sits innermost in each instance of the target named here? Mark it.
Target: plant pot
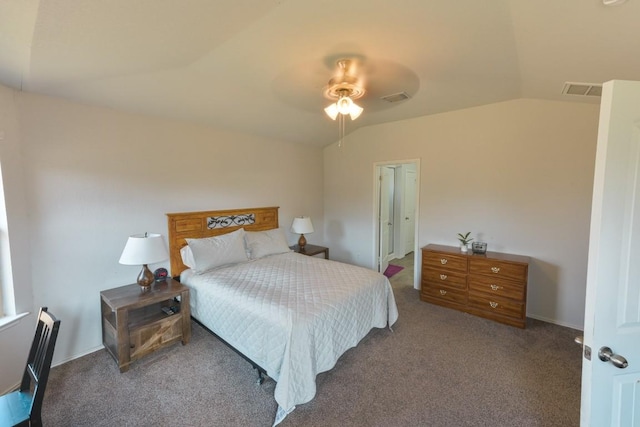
(463, 248)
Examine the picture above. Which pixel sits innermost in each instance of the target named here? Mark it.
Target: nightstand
(134, 325)
(311, 250)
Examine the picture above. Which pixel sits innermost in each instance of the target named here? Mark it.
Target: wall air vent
(582, 89)
(396, 97)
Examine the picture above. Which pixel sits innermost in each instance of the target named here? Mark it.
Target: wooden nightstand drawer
(496, 268)
(497, 287)
(441, 277)
(150, 337)
(446, 261)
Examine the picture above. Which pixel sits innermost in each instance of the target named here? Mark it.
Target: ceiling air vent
(395, 97)
(582, 89)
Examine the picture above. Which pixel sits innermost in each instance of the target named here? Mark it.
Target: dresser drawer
(497, 287)
(442, 277)
(496, 305)
(446, 294)
(499, 269)
(443, 260)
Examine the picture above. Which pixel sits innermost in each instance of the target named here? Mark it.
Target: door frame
(376, 206)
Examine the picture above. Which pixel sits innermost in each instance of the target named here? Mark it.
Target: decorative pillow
(187, 257)
(213, 252)
(263, 243)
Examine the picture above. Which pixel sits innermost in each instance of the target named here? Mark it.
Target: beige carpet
(438, 367)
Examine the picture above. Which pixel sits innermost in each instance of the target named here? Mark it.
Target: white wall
(93, 176)
(79, 180)
(517, 174)
(14, 248)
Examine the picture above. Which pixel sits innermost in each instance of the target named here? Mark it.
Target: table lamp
(143, 249)
(302, 225)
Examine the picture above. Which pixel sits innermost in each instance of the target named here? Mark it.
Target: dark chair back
(23, 407)
(38, 366)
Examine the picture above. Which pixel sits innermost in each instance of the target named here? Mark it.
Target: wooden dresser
(491, 285)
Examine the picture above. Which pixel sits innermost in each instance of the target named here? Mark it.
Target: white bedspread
(294, 315)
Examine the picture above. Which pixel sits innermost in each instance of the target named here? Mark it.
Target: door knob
(606, 355)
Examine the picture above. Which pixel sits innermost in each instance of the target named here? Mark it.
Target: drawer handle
(443, 277)
(493, 304)
(443, 261)
(496, 287)
(495, 269)
(443, 292)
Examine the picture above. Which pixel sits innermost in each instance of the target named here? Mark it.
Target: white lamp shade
(144, 249)
(302, 225)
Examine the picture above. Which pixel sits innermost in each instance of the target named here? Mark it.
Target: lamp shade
(302, 225)
(145, 248)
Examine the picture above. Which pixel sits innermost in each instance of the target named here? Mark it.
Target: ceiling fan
(344, 87)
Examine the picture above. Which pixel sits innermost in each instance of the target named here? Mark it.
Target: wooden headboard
(198, 225)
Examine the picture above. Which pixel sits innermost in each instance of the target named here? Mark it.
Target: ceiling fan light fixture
(355, 111)
(344, 105)
(332, 111)
(344, 87)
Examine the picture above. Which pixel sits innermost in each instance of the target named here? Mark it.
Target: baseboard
(76, 356)
(556, 322)
(10, 389)
(62, 362)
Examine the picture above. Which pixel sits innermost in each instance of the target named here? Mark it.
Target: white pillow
(263, 243)
(213, 252)
(187, 256)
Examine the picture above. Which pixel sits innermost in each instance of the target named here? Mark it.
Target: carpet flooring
(438, 367)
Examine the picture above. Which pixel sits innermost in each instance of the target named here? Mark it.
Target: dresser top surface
(455, 250)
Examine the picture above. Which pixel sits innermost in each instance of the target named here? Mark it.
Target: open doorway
(396, 213)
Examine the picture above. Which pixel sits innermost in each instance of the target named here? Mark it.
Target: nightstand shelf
(134, 325)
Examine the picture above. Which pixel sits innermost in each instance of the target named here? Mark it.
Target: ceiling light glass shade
(332, 111)
(355, 111)
(344, 106)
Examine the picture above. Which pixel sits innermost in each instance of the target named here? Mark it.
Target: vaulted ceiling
(260, 66)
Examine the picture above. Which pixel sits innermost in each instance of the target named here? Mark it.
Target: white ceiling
(260, 66)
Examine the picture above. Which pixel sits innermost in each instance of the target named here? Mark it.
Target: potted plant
(464, 241)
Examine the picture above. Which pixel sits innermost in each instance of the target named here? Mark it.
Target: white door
(385, 224)
(610, 394)
(409, 209)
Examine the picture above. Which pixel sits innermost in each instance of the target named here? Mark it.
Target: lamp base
(302, 241)
(145, 278)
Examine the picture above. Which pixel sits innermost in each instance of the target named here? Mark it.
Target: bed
(290, 315)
